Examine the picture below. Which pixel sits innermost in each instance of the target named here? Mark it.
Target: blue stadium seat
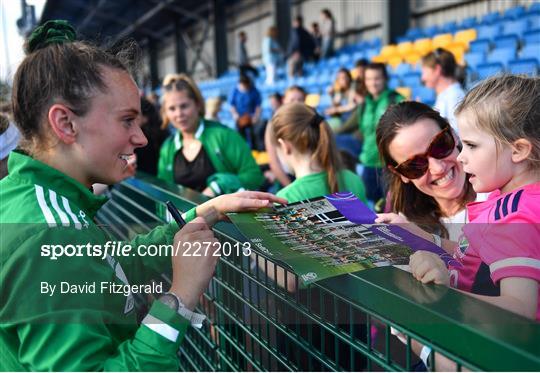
(490, 18)
(489, 69)
(489, 31)
(402, 69)
(358, 55)
(372, 52)
(412, 79)
(394, 81)
(517, 27)
(415, 33)
(530, 51)
(469, 22)
(534, 8)
(480, 45)
(527, 66)
(431, 31)
(401, 39)
(514, 13)
(425, 95)
(507, 41)
(502, 55)
(449, 27)
(474, 59)
(533, 21)
(531, 37)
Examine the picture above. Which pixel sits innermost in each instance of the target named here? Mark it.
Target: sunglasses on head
(441, 146)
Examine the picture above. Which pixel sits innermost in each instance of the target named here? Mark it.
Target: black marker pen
(175, 214)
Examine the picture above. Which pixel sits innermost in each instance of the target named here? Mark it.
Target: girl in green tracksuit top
(67, 298)
(202, 155)
(306, 146)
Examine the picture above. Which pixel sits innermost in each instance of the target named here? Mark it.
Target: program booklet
(329, 236)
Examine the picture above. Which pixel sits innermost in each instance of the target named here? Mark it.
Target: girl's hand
(391, 218)
(238, 202)
(428, 267)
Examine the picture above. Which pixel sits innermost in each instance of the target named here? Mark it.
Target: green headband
(51, 32)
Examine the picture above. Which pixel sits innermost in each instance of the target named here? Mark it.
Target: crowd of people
(458, 174)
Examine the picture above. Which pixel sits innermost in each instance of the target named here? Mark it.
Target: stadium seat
(527, 66)
(473, 59)
(394, 61)
(394, 81)
(465, 37)
(405, 48)
(389, 50)
(530, 51)
(402, 69)
(412, 80)
(502, 55)
(425, 95)
(489, 69)
(413, 58)
(431, 31)
(514, 13)
(480, 45)
(533, 21)
(423, 46)
(415, 33)
(534, 8)
(405, 92)
(517, 27)
(442, 40)
(490, 18)
(531, 37)
(507, 41)
(467, 23)
(490, 31)
(449, 27)
(313, 100)
(458, 50)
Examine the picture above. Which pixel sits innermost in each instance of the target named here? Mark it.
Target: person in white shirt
(438, 73)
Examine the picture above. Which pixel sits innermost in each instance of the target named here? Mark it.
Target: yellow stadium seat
(465, 37)
(395, 60)
(442, 40)
(458, 50)
(405, 48)
(405, 92)
(313, 100)
(379, 58)
(423, 46)
(389, 50)
(412, 58)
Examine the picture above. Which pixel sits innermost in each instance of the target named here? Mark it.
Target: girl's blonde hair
(508, 108)
(308, 132)
(180, 83)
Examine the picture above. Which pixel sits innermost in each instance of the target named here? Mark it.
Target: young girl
(306, 146)
(498, 124)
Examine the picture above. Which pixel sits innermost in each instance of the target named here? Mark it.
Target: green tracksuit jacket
(229, 153)
(74, 332)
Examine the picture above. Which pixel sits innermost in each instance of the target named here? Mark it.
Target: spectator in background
(317, 38)
(245, 101)
(301, 47)
(242, 56)
(277, 171)
(148, 156)
(328, 32)
(202, 155)
(272, 54)
(438, 73)
(344, 97)
(276, 100)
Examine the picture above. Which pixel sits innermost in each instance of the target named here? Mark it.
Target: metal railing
(342, 323)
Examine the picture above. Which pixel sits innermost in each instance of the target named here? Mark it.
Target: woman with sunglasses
(202, 154)
(427, 184)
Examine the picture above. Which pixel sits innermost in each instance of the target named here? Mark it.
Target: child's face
(491, 167)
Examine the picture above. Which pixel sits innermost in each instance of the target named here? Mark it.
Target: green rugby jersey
(74, 332)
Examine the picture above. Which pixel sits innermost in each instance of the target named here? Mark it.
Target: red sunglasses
(441, 146)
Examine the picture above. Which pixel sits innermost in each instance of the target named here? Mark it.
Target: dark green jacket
(229, 153)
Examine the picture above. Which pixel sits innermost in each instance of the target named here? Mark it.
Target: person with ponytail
(79, 114)
(305, 145)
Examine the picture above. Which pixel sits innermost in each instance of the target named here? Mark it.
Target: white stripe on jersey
(515, 262)
(54, 202)
(65, 202)
(161, 328)
(49, 217)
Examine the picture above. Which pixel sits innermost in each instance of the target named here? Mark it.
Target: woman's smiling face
(444, 178)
